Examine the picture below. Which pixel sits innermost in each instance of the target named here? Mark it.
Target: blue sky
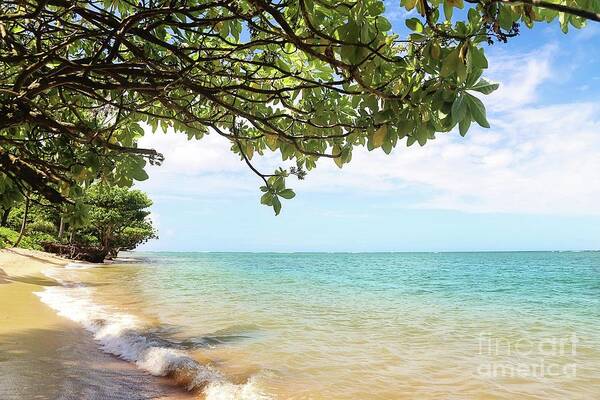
(531, 182)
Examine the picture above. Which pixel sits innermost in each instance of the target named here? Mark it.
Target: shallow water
(349, 326)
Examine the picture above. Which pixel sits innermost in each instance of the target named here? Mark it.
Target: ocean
(506, 325)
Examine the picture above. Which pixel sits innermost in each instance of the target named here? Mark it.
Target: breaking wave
(123, 335)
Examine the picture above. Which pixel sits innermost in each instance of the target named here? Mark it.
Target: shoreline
(46, 356)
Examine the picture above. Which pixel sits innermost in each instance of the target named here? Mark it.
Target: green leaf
(478, 58)
(448, 11)
(464, 124)
(455, 3)
(485, 86)
(473, 16)
(459, 109)
(383, 24)
(267, 199)
(139, 174)
(474, 75)
(287, 194)
(435, 51)
(387, 147)
(276, 205)
(505, 18)
(271, 141)
(339, 161)
(450, 64)
(277, 183)
(414, 24)
(477, 110)
(563, 18)
(421, 134)
(379, 136)
(408, 4)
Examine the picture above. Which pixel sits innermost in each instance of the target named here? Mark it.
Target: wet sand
(44, 356)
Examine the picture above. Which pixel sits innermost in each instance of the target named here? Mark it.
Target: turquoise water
(369, 326)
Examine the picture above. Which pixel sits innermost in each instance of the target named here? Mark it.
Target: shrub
(8, 237)
(39, 238)
(41, 226)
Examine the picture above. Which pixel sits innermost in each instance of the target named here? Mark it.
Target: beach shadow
(65, 364)
(170, 336)
(37, 280)
(232, 334)
(34, 280)
(36, 258)
(3, 277)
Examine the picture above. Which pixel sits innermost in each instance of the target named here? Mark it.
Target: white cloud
(538, 160)
(535, 159)
(200, 167)
(190, 157)
(520, 77)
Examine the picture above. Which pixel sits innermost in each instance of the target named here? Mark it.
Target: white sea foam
(121, 334)
(125, 259)
(79, 266)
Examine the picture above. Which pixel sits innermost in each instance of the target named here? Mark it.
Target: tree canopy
(307, 78)
(105, 220)
(117, 218)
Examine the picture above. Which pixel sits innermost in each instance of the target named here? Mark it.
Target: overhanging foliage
(307, 78)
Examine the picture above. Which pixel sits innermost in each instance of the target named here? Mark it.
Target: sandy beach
(45, 356)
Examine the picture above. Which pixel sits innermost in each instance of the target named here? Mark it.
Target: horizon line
(361, 252)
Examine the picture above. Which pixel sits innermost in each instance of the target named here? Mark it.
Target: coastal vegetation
(105, 220)
(309, 79)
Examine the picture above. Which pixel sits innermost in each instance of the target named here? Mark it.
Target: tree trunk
(106, 236)
(5, 216)
(24, 223)
(61, 228)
